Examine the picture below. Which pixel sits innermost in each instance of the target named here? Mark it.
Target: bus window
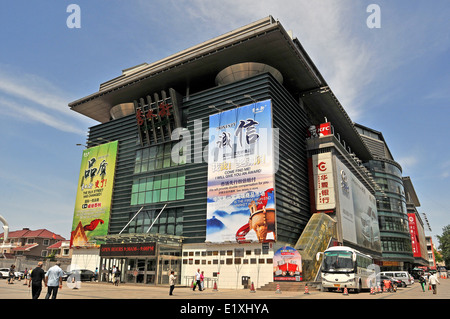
(337, 261)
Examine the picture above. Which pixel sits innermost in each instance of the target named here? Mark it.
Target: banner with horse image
(241, 175)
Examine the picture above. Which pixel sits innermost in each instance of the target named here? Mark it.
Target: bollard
(345, 291)
(306, 290)
(278, 291)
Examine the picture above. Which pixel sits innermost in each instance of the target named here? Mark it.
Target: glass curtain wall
(392, 213)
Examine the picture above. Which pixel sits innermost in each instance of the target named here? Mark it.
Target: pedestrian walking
(113, 274)
(26, 276)
(53, 280)
(11, 274)
(202, 278)
(36, 278)
(422, 282)
(197, 280)
(96, 274)
(172, 279)
(117, 277)
(433, 281)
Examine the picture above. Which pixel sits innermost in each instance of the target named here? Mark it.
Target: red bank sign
(414, 232)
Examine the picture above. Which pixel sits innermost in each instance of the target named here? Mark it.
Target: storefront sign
(322, 167)
(413, 231)
(118, 250)
(156, 117)
(93, 200)
(241, 173)
(320, 130)
(287, 265)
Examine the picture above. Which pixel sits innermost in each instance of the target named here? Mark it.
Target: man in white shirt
(197, 279)
(53, 280)
(433, 281)
(172, 279)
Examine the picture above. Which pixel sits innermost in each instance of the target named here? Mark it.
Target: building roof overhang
(410, 191)
(264, 41)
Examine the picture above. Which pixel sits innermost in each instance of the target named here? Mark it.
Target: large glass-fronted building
(173, 208)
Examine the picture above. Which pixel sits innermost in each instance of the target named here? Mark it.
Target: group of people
(52, 280)
(432, 281)
(115, 275)
(198, 282)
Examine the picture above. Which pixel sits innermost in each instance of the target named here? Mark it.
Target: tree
(444, 244)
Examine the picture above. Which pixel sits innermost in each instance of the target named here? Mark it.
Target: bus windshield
(338, 261)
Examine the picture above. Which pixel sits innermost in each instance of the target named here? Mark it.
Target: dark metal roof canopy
(411, 196)
(264, 41)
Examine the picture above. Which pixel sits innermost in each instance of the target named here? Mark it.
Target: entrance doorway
(141, 270)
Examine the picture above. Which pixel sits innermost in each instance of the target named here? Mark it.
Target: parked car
(394, 282)
(80, 274)
(5, 273)
(404, 276)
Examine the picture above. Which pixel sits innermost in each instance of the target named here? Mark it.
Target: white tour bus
(346, 267)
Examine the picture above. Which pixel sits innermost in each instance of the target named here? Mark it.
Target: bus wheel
(358, 289)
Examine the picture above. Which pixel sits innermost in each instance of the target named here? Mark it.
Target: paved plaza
(94, 290)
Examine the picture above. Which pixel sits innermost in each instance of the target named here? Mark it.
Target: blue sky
(394, 79)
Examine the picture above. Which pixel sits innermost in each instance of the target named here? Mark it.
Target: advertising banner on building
(322, 167)
(94, 194)
(418, 240)
(287, 265)
(241, 175)
(357, 210)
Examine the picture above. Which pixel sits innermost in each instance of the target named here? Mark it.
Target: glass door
(151, 271)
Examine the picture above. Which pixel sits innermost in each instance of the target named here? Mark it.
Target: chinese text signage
(241, 170)
(94, 194)
(322, 167)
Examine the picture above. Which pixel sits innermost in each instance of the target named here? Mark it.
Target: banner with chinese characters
(241, 175)
(322, 168)
(94, 194)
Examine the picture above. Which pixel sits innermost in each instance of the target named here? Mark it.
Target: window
(157, 157)
(159, 188)
(169, 222)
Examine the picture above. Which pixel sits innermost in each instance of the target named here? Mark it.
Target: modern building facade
(401, 227)
(213, 166)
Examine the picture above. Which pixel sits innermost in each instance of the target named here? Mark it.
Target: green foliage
(444, 244)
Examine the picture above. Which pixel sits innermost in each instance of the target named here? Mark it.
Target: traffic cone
(372, 292)
(252, 288)
(215, 286)
(306, 290)
(278, 291)
(345, 291)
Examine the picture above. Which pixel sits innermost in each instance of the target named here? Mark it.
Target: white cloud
(32, 114)
(28, 97)
(323, 27)
(408, 162)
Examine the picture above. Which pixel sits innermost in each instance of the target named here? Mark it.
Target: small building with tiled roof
(30, 243)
